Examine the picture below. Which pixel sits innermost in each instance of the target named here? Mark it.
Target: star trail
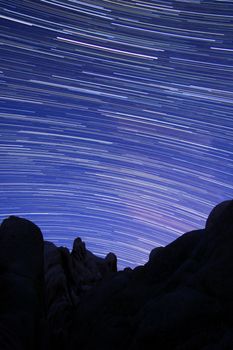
(116, 119)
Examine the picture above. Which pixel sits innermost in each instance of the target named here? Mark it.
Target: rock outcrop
(21, 285)
(181, 299)
(67, 277)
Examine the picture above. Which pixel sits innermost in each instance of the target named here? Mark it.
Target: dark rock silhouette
(181, 299)
(21, 285)
(67, 277)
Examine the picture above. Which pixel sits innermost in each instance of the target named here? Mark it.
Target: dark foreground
(181, 299)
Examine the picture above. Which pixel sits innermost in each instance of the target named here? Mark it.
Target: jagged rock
(181, 299)
(57, 297)
(88, 269)
(67, 277)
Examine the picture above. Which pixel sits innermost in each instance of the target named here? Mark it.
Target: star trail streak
(116, 119)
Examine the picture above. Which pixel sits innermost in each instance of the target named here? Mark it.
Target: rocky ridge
(181, 299)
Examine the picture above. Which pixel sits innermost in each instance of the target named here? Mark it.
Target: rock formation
(181, 299)
(67, 277)
(21, 285)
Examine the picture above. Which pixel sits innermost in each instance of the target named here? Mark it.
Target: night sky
(116, 119)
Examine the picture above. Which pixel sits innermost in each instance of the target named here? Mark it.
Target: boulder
(21, 285)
